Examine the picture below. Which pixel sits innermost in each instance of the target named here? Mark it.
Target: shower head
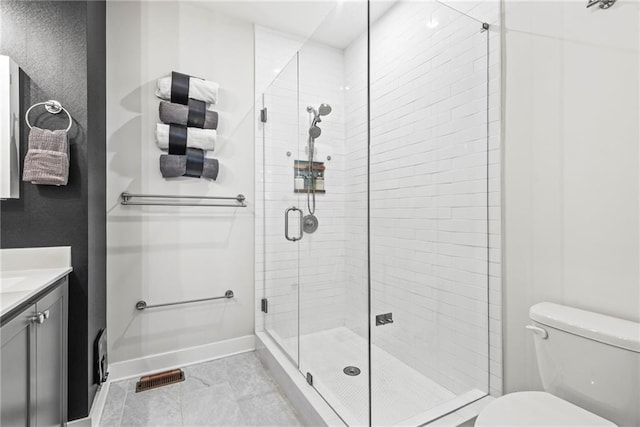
(324, 109)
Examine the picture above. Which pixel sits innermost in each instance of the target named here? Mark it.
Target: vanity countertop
(25, 273)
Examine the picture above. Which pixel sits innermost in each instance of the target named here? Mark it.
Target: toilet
(589, 364)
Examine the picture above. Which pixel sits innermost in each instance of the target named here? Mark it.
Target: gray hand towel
(172, 166)
(178, 114)
(47, 159)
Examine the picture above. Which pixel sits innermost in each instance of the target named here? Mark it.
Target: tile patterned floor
(234, 391)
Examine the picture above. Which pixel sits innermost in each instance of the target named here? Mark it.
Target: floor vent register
(160, 379)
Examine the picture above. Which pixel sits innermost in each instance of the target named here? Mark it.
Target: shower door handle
(286, 224)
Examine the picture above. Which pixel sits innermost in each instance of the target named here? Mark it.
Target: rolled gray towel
(178, 114)
(172, 166)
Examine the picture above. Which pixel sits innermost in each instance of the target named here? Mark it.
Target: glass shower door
(281, 213)
(315, 169)
(316, 305)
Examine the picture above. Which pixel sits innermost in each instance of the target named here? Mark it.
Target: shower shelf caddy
(301, 168)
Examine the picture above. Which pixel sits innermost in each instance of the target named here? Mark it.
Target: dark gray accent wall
(60, 47)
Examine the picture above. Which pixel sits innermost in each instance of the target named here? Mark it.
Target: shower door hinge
(485, 27)
(263, 115)
(309, 378)
(264, 305)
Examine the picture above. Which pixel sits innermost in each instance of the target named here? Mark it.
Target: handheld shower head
(314, 131)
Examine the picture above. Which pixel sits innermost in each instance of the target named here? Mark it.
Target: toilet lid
(536, 408)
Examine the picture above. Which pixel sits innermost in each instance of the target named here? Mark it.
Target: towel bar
(141, 305)
(126, 200)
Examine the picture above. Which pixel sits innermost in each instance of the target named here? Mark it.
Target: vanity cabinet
(33, 359)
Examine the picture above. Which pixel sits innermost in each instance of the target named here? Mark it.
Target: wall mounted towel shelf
(142, 305)
(177, 200)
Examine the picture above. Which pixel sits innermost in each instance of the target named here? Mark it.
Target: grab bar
(141, 305)
(126, 200)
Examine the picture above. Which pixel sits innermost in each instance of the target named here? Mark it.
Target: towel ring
(52, 106)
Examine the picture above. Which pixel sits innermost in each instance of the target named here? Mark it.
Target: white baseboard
(176, 359)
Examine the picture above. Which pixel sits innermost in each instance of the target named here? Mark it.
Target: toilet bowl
(589, 364)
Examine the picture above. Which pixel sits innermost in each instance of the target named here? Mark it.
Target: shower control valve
(384, 319)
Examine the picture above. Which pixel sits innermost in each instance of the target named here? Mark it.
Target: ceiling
(333, 22)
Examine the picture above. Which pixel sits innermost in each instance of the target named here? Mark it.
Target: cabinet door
(51, 350)
(17, 372)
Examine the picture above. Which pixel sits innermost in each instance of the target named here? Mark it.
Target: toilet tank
(590, 359)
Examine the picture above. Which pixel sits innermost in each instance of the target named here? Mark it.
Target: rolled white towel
(204, 139)
(202, 90)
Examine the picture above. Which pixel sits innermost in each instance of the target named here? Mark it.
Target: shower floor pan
(401, 396)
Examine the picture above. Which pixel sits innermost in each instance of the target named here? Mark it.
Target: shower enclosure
(383, 307)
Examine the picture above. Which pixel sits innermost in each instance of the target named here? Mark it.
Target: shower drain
(351, 370)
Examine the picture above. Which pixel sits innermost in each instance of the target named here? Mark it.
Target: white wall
(571, 166)
(162, 254)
